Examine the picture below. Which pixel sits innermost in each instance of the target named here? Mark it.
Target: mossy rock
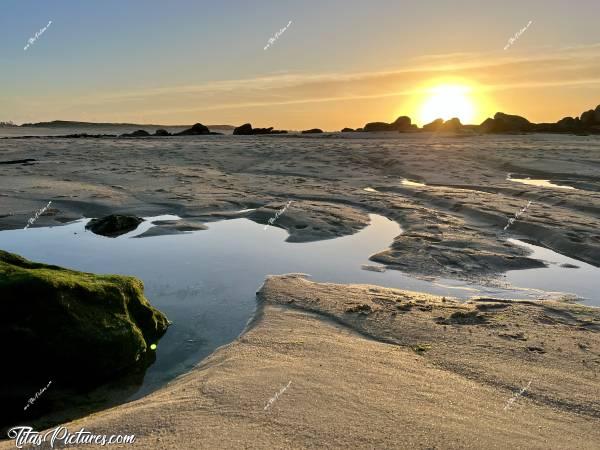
(71, 325)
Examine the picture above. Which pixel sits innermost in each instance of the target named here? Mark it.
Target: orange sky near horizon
(511, 84)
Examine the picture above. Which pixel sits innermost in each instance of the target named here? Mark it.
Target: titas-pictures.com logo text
(61, 436)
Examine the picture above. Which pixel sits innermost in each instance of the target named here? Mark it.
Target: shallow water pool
(205, 281)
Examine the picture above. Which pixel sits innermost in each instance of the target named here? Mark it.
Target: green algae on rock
(75, 326)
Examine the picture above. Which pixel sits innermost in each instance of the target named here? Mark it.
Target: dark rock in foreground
(196, 130)
(247, 130)
(312, 131)
(113, 225)
(73, 326)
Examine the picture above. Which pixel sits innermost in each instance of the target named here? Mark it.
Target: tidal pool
(205, 281)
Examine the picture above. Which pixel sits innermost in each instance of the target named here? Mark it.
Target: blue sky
(96, 48)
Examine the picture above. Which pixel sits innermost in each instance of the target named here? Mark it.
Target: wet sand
(453, 226)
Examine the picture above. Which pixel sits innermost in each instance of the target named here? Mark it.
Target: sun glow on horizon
(447, 101)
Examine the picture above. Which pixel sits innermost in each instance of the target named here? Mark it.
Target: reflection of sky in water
(205, 281)
(583, 280)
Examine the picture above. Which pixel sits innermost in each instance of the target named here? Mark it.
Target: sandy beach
(365, 366)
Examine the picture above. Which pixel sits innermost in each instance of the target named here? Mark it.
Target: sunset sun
(446, 102)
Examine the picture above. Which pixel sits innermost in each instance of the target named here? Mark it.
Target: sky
(338, 64)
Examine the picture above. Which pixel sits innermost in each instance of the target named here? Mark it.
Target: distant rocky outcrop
(113, 225)
(243, 130)
(247, 130)
(438, 125)
(196, 130)
(591, 118)
(162, 132)
(138, 133)
(588, 122)
(506, 123)
(347, 130)
(401, 124)
(312, 131)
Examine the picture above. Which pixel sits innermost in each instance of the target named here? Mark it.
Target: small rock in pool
(373, 268)
(113, 225)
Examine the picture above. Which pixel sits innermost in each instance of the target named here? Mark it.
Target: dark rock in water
(347, 130)
(506, 123)
(312, 131)
(402, 123)
(196, 130)
(113, 225)
(75, 327)
(245, 129)
(359, 130)
(138, 133)
(162, 132)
